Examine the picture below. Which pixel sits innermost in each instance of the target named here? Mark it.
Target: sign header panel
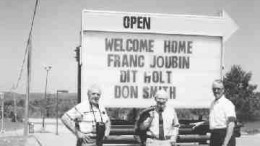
(222, 26)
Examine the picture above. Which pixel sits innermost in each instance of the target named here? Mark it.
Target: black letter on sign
(147, 23)
(126, 21)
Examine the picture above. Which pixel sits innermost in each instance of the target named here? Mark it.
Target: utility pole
(77, 50)
(29, 57)
(2, 112)
(15, 109)
(47, 68)
(14, 100)
(29, 52)
(57, 108)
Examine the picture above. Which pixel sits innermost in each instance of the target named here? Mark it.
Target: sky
(57, 26)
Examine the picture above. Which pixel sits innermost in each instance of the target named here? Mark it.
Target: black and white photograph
(129, 73)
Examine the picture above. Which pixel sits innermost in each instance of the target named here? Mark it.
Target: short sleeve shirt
(220, 111)
(87, 116)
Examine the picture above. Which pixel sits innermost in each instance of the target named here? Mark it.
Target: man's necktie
(161, 132)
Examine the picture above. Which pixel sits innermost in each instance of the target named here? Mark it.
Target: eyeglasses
(161, 99)
(217, 89)
(95, 94)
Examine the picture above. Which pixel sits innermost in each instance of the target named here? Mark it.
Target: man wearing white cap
(162, 124)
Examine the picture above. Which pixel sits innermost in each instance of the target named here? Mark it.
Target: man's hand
(86, 138)
(172, 139)
(105, 137)
(197, 124)
(173, 143)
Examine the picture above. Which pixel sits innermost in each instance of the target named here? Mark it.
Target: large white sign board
(131, 55)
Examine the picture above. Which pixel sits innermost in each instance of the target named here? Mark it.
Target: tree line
(238, 88)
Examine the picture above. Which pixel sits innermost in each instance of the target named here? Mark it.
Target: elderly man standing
(222, 117)
(88, 120)
(162, 124)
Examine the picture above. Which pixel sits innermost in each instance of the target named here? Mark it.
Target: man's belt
(221, 130)
(218, 129)
(157, 138)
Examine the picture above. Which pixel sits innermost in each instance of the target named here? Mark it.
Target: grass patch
(13, 141)
(252, 127)
(11, 126)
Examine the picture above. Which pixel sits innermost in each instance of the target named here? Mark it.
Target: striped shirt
(86, 116)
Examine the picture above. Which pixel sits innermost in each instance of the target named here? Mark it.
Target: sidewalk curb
(37, 140)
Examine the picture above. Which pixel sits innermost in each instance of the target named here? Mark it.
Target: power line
(21, 69)
(27, 46)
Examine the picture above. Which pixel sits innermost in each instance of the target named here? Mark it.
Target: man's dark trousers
(218, 136)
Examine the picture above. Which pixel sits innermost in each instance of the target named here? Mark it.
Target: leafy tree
(239, 90)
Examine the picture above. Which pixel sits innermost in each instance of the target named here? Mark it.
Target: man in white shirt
(162, 124)
(222, 117)
(88, 120)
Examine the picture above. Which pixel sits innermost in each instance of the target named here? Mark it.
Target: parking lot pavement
(66, 138)
(49, 136)
(51, 139)
(249, 140)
